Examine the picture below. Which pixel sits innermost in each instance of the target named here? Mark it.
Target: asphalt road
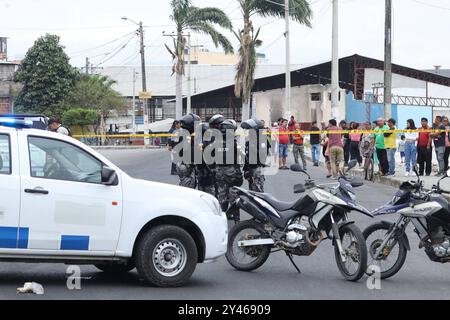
(277, 279)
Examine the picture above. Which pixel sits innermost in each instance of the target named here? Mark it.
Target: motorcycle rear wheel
(258, 255)
(372, 246)
(356, 253)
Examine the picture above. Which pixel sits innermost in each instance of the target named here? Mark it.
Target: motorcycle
(429, 213)
(299, 227)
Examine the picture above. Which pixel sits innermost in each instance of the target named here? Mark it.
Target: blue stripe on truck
(79, 243)
(8, 237)
(23, 238)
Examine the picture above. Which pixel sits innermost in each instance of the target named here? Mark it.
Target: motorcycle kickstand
(293, 262)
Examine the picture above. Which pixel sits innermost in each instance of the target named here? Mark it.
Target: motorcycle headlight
(213, 204)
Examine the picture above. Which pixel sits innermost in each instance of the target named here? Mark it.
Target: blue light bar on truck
(15, 123)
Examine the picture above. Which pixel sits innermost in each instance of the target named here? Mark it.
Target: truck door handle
(36, 191)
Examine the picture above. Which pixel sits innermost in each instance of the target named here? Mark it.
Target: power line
(431, 5)
(81, 52)
(116, 51)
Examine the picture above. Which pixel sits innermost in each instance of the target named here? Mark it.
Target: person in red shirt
(292, 128)
(424, 149)
(283, 143)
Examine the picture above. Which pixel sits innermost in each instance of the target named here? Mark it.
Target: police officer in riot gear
(256, 151)
(185, 163)
(216, 121)
(205, 174)
(228, 171)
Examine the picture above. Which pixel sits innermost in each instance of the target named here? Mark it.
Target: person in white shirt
(410, 146)
(55, 125)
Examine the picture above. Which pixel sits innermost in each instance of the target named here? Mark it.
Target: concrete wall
(268, 105)
(358, 111)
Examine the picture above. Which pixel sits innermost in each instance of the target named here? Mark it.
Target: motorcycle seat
(275, 203)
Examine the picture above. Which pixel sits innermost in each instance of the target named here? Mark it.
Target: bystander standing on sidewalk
(439, 144)
(355, 144)
(283, 144)
(336, 149)
(401, 148)
(410, 146)
(299, 148)
(447, 142)
(326, 154)
(380, 147)
(292, 127)
(390, 143)
(314, 140)
(345, 141)
(424, 149)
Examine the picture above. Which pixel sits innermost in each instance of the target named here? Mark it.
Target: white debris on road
(31, 287)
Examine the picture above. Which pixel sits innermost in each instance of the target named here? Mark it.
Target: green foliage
(46, 77)
(300, 12)
(199, 20)
(80, 117)
(95, 92)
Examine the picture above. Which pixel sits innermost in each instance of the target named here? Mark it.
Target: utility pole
(388, 61)
(189, 72)
(189, 90)
(144, 80)
(288, 61)
(134, 100)
(335, 64)
(87, 65)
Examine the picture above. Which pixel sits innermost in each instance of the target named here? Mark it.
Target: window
(58, 160)
(329, 96)
(316, 96)
(5, 154)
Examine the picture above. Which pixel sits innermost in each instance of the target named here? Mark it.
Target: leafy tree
(198, 20)
(46, 76)
(95, 92)
(300, 12)
(80, 118)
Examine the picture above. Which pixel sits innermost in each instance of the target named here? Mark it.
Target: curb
(126, 148)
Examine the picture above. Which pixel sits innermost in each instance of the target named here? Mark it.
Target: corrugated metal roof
(204, 77)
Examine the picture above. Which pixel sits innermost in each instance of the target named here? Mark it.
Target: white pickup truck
(61, 201)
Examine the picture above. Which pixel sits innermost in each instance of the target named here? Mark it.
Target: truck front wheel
(166, 256)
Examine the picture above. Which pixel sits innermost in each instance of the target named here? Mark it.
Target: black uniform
(256, 151)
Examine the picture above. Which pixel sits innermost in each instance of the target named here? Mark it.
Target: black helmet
(188, 122)
(205, 127)
(228, 125)
(252, 124)
(216, 120)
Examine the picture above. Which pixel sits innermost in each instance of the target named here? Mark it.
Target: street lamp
(144, 77)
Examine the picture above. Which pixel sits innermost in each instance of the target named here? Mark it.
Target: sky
(94, 29)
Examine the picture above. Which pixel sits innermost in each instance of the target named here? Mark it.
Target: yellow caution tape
(301, 132)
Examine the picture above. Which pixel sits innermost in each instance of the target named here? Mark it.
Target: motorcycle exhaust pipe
(255, 242)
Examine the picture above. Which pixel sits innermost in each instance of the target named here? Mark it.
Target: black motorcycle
(427, 210)
(298, 227)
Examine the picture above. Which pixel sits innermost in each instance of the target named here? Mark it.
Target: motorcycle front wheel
(392, 257)
(355, 252)
(247, 258)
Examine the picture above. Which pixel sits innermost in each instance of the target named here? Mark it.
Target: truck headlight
(213, 204)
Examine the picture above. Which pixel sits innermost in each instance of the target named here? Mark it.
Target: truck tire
(166, 256)
(116, 267)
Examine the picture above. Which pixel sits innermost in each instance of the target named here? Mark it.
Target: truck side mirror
(109, 177)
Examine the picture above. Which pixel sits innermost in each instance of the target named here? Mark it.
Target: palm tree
(198, 20)
(248, 38)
